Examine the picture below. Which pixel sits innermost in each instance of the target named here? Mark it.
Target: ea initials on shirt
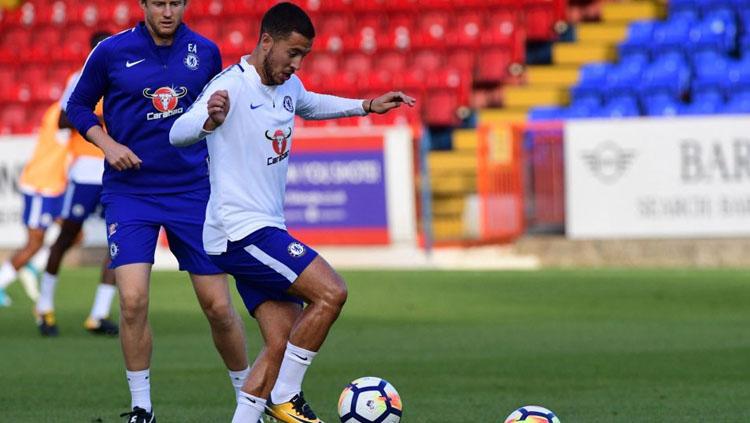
(165, 100)
(279, 141)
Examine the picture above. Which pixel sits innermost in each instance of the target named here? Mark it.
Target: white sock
(140, 389)
(102, 301)
(46, 302)
(238, 379)
(249, 408)
(293, 368)
(7, 275)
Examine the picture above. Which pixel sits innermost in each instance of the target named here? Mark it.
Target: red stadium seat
(466, 31)
(391, 61)
(428, 60)
(44, 91)
(13, 116)
(321, 63)
(540, 22)
(462, 59)
(368, 6)
(337, 24)
(208, 27)
(441, 106)
(60, 73)
(401, 6)
(358, 63)
(33, 74)
(492, 65)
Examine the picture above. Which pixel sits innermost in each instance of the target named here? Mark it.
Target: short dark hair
(98, 37)
(283, 19)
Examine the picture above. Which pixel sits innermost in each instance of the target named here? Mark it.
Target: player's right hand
(218, 107)
(120, 157)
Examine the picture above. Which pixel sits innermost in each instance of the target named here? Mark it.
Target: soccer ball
(532, 414)
(370, 400)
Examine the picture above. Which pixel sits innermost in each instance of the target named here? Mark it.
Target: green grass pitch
(594, 346)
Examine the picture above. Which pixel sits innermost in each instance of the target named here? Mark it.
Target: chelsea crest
(191, 61)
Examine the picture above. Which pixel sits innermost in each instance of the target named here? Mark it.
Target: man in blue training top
(148, 76)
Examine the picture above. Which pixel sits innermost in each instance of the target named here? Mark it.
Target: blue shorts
(264, 265)
(40, 211)
(134, 220)
(80, 201)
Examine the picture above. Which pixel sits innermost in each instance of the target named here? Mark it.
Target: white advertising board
(14, 152)
(658, 178)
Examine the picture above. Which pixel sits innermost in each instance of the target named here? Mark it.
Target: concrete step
(441, 162)
(447, 228)
(448, 206)
(555, 75)
(465, 140)
(533, 95)
(583, 52)
(453, 184)
(627, 11)
(505, 115)
(612, 32)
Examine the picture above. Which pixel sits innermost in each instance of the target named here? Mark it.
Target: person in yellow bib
(81, 200)
(42, 184)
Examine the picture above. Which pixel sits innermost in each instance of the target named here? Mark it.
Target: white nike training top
(249, 152)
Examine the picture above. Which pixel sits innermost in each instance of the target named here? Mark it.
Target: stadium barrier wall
(14, 152)
(545, 181)
(346, 186)
(500, 182)
(658, 177)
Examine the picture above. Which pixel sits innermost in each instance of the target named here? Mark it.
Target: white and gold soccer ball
(369, 400)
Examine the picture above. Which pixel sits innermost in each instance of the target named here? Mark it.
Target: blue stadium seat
(702, 108)
(662, 108)
(669, 75)
(711, 75)
(621, 107)
(638, 39)
(708, 96)
(683, 9)
(591, 80)
(624, 78)
(738, 76)
(671, 35)
(718, 31)
(738, 104)
(707, 7)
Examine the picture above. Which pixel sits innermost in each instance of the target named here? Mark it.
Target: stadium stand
(694, 62)
(435, 48)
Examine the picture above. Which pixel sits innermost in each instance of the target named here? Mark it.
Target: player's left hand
(389, 101)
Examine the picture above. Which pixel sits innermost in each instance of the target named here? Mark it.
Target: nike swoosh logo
(250, 399)
(130, 64)
(298, 419)
(253, 106)
(299, 356)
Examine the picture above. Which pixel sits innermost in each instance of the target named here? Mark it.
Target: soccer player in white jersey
(249, 144)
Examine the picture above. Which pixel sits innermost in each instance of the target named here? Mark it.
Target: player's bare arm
(388, 101)
(218, 109)
(117, 155)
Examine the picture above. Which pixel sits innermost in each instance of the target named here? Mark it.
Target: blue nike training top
(145, 88)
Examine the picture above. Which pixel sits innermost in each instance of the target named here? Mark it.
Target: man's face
(284, 57)
(163, 16)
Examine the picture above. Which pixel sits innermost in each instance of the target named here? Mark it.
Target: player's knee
(334, 297)
(133, 307)
(219, 313)
(276, 346)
